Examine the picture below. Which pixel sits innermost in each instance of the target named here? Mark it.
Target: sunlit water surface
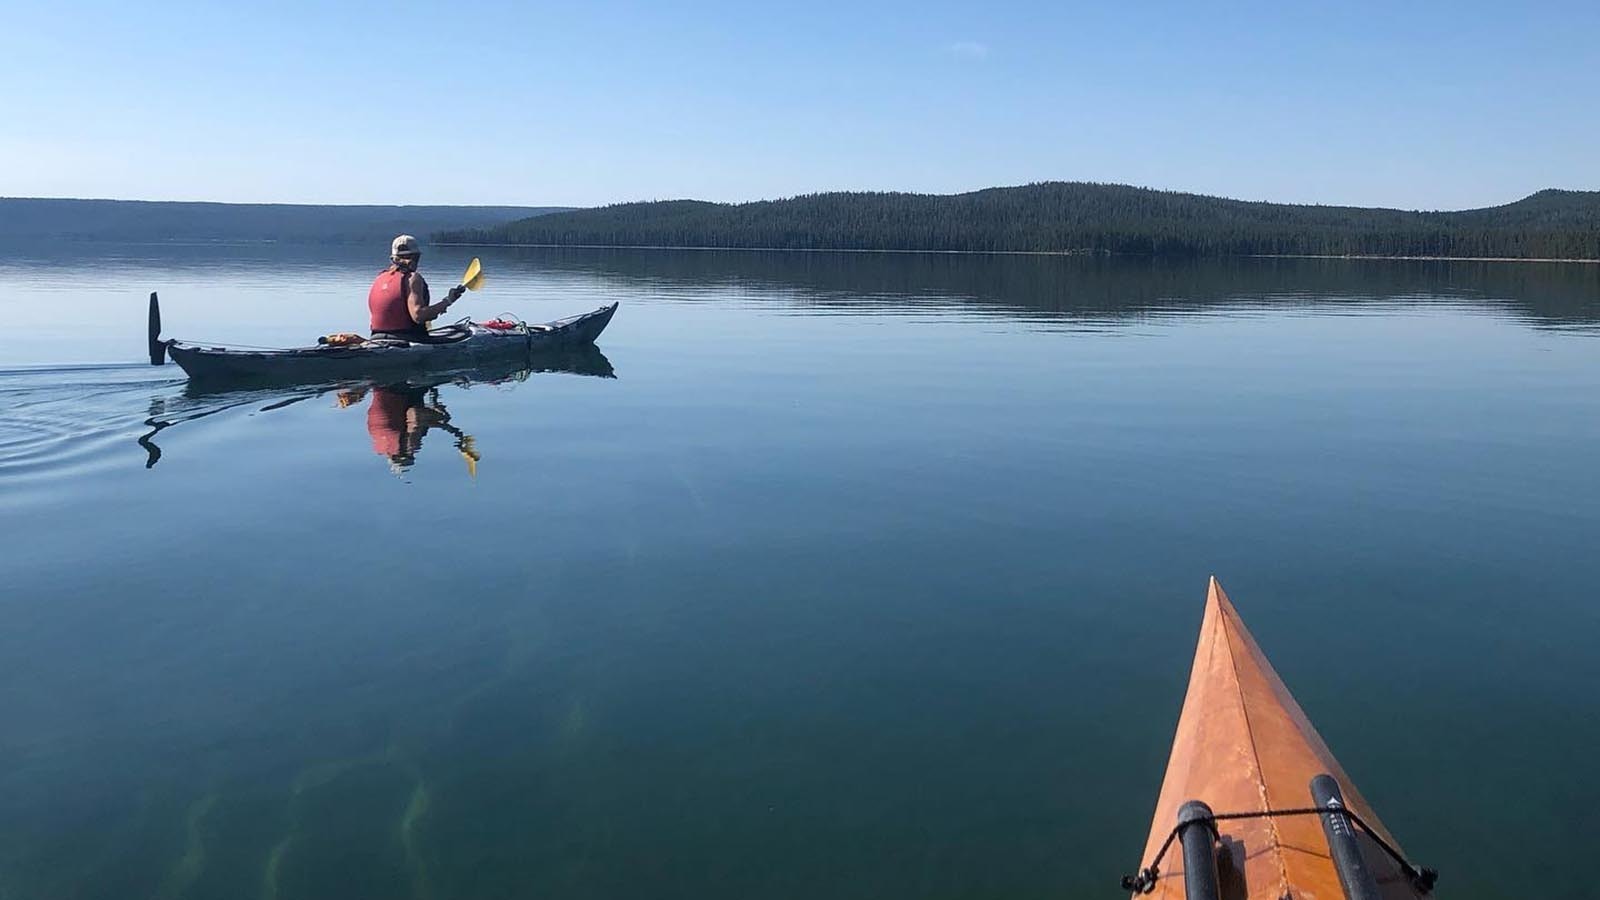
(836, 576)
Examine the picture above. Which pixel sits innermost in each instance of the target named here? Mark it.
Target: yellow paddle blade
(473, 279)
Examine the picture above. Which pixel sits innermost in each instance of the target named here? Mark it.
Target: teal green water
(840, 575)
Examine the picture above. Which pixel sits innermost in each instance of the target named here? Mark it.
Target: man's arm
(417, 300)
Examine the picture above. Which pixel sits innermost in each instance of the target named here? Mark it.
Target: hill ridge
(1057, 216)
(53, 218)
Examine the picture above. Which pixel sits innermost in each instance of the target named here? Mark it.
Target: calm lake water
(835, 576)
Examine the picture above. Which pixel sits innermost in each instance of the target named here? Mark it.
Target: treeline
(1067, 217)
(139, 220)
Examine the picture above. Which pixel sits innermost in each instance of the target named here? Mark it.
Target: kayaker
(399, 298)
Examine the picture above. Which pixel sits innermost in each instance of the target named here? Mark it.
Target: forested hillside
(1074, 217)
(138, 220)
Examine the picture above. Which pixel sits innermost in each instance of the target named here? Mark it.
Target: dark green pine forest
(1065, 217)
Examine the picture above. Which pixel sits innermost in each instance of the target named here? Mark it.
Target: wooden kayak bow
(1253, 799)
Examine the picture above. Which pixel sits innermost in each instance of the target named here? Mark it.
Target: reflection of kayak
(1243, 745)
(583, 360)
(200, 399)
(456, 346)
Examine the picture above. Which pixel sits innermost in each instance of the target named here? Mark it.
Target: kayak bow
(1244, 746)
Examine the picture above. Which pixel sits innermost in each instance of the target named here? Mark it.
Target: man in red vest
(398, 300)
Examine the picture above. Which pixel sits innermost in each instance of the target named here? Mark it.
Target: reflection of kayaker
(397, 420)
(401, 412)
(401, 415)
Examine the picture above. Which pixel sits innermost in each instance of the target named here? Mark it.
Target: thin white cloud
(968, 50)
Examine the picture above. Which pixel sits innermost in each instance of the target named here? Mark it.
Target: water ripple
(68, 420)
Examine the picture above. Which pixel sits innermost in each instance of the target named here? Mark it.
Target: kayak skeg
(464, 344)
(1254, 806)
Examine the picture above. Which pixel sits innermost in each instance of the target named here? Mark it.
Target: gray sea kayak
(463, 344)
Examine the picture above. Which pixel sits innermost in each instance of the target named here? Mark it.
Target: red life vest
(387, 302)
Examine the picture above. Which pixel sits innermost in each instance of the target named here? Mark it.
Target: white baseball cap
(404, 245)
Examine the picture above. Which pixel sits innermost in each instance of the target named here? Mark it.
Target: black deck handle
(1197, 832)
(1354, 875)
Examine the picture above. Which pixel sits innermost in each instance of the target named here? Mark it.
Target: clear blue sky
(1416, 105)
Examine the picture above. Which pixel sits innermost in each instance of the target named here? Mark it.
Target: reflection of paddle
(466, 446)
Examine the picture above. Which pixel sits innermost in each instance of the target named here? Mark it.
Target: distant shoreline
(1533, 259)
(1074, 253)
(1065, 218)
(703, 248)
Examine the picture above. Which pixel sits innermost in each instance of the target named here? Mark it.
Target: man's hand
(455, 293)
